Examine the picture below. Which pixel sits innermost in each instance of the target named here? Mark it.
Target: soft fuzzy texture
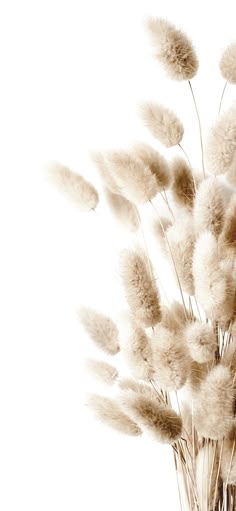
(228, 461)
(171, 362)
(138, 352)
(110, 413)
(182, 241)
(74, 187)
(162, 123)
(161, 421)
(214, 288)
(207, 482)
(228, 63)
(229, 357)
(159, 234)
(201, 341)
(227, 239)
(104, 372)
(209, 207)
(173, 49)
(104, 171)
(214, 404)
(157, 163)
(123, 210)
(183, 186)
(196, 376)
(141, 292)
(101, 329)
(133, 177)
(221, 142)
(128, 385)
(175, 318)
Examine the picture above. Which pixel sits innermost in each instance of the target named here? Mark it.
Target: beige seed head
(74, 187)
(227, 238)
(104, 372)
(183, 186)
(134, 178)
(173, 49)
(214, 288)
(171, 362)
(209, 207)
(207, 480)
(175, 317)
(162, 123)
(229, 356)
(110, 413)
(221, 143)
(201, 341)
(228, 63)
(104, 171)
(128, 385)
(214, 404)
(101, 329)
(157, 163)
(181, 239)
(140, 289)
(123, 210)
(138, 353)
(159, 420)
(196, 376)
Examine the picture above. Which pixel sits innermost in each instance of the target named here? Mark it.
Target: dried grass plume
(162, 123)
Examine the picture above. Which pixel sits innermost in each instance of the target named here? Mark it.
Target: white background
(72, 75)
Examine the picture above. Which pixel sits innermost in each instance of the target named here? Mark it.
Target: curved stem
(200, 128)
(222, 96)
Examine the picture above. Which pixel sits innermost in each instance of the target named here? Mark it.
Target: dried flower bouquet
(181, 355)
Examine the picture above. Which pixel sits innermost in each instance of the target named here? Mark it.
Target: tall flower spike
(104, 372)
(217, 396)
(209, 207)
(141, 292)
(74, 187)
(110, 413)
(123, 210)
(161, 421)
(221, 143)
(101, 329)
(134, 178)
(156, 162)
(207, 480)
(171, 361)
(173, 49)
(183, 186)
(228, 63)
(182, 240)
(214, 288)
(162, 123)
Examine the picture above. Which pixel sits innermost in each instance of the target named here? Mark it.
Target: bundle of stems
(181, 355)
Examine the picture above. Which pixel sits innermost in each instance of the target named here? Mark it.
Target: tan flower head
(156, 162)
(104, 372)
(221, 142)
(162, 123)
(209, 207)
(74, 187)
(101, 329)
(138, 352)
(110, 413)
(181, 239)
(173, 49)
(201, 341)
(123, 210)
(228, 63)
(183, 187)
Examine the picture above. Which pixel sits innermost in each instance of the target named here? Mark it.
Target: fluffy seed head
(156, 162)
(74, 187)
(128, 385)
(162, 123)
(183, 187)
(221, 143)
(134, 178)
(104, 372)
(182, 241)
(228, 63)
(162, 422)
(214, 404)
(227, 238)
(171, 362)
(175, 318)
(123, 210)
(229, 357)
(214, 288)
(209, 207)
(110, 413)
(140, 289)
(207, 463)
(101, 329)
(138, 353)
(104, 171)
(196, 376)
(173, 49)
(201, 341)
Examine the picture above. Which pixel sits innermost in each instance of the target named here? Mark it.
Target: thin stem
(200, 128)
(185, 154)
(222, 96)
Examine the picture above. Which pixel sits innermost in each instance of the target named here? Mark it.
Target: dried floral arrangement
(181, 355)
